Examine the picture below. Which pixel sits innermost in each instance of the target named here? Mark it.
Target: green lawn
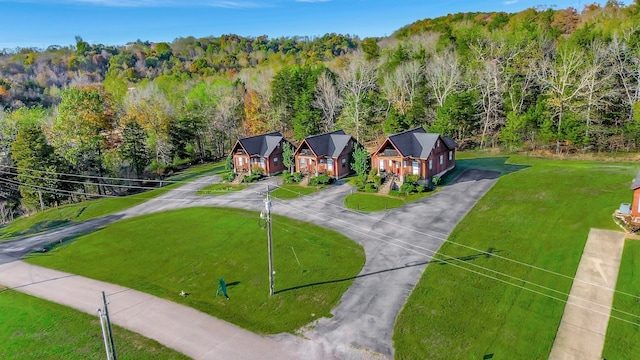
(539, 215)
(286, 192)
(33, 328)
(623, 332)
(86, 210)
(220, 189)
(189, 249)
(372, 202)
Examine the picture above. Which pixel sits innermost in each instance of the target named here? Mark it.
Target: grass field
(368, 202)
(188, 250)
(220, 189)
(623, 337)
(33, 328)
(86, 210)
(539, 213)
(286, 192)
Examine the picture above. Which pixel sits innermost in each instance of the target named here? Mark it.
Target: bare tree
(443, 74)
(563, 83)
(401, 86)
(357, 79)
(626, 67)
(328, 100)
(596, 76)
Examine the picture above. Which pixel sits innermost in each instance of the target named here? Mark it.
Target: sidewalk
(583, 327)
(179, 327)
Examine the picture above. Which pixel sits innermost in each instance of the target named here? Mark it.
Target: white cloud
(511, 2)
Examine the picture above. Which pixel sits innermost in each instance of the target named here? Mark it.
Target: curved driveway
(398, 244)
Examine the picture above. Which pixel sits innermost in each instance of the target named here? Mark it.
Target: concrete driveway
(398, 246)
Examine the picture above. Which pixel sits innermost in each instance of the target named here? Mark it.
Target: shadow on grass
(471, 257)
(489, 168)
(42, 226)
(408, 265)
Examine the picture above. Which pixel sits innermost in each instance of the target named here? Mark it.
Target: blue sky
(40, 23)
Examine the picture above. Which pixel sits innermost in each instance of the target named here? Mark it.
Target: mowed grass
(220, 189)
(286, 192)
(165, 253)
(474, 305)
(367, 202)
(33, 328)
(623, 331)
(87, 210)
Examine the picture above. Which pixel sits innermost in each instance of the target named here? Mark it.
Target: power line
(93, 176)
(350, 227)
(98, 184)
(484, 252)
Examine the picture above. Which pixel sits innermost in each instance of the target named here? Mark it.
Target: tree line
(560, 80)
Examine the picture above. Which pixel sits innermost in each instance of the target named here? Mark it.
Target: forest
(72, 117)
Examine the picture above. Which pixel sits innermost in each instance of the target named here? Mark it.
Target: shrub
(359, 184)
(320, 180)
(257, 170)
(229, 177)
(407, 188)
(435, 180)
(251, 178)
(412, 179)
(420, 189)
(298, 176)
(370, 188)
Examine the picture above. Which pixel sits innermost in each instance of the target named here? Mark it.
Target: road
(398, 245)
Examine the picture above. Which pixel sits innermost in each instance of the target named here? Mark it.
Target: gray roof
(636, 182)
(261, 145)
(417, 143)
(329, 144)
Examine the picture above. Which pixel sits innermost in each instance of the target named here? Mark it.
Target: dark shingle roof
(329, 144)
(261, 145)
(418, 143)
(636, 182)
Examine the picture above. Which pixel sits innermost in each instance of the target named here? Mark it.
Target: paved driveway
(398, 246)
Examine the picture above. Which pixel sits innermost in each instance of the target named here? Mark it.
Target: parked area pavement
(398, 245)
(583, 327)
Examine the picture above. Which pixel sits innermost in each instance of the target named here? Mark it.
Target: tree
(37, 170)
(361, 162)
(288, 158)
(563, 84)
(443, 74)
(357, 79)
(328, 100)
(82, 127)
(134, 147)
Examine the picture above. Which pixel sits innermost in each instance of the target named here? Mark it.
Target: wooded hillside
(564, 80)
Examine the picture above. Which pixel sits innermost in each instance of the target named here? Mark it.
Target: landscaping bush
(229, 177)
(291, 178)
(370, 188)
(420, 189)
(320, 180)
(257, 170)
(407, 188)
(359, 184)
(251, 178)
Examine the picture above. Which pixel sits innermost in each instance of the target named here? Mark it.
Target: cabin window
(240, 161)
(344, 162)
(330, 163)
(381, 166)
(438, 143)
(430, 164)
(450, 155)
(262, 162)
(321, 161)
(404, 163)
(275, 160)
(441, 159)
(303, 162)
(415, 168)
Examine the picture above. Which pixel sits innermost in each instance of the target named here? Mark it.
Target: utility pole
(267, 206)
(109, 344)
(41, 202)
